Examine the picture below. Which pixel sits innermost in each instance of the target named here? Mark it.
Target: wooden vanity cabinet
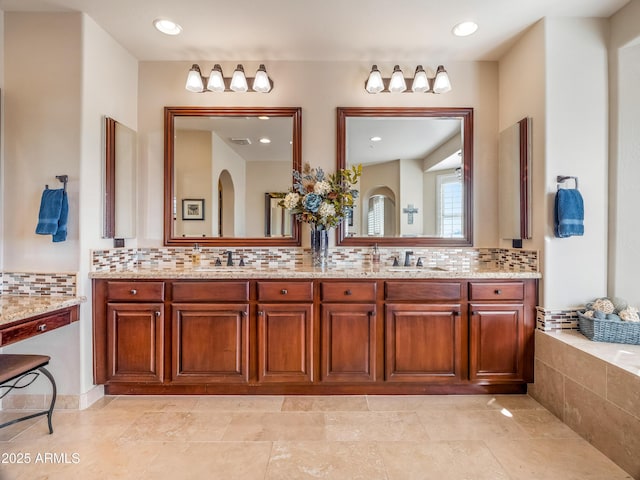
(349, 332)
(285, 331)
(425, 332)
(134, 314)
(209, 332)
(501, 331)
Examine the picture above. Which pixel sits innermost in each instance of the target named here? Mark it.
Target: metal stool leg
(53, 397)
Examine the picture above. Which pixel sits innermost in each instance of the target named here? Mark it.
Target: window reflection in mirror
(228, 159)
(119, 180)
(416, 175)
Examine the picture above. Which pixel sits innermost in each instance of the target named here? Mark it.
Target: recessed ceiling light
(166, 26)
(375, 139)
(265, 140)
(464, 29)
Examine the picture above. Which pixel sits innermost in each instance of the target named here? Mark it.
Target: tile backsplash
(26, 283)
(455, 258)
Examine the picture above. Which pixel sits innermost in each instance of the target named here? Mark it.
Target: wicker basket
(614, 331)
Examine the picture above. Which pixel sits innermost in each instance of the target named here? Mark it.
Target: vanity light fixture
(420, 83)
(217, 82)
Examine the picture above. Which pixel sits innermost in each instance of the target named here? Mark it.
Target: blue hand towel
(61, 233)
(569, 213)
(53, 215)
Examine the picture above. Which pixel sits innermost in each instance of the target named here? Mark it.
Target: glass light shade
(420, 80)
(374, 82)
(194, 80)
(216, 79)
(238, 80)
(261, 82)
(441, 84)
(397, 83)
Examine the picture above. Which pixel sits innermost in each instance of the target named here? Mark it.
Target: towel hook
(564, 178)
(63, 178)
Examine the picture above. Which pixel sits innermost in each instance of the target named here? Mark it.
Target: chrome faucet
(229, 258)
(407, 258)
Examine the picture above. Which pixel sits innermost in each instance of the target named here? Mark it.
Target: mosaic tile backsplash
(553, 320)
(452, 258)
(25, 283)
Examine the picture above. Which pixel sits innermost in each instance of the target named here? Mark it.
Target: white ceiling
(320, 30)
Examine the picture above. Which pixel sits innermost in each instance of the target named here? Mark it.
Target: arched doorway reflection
(226, 205)
(380, 214)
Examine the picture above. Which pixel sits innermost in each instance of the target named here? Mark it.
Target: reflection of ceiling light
(464, 29)
(375, 139)
(265, 140)
(263, 117)
(166, 26)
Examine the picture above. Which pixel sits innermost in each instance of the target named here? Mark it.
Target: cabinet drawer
(496, 291)
(285, 291)
(348, 292)
(35, 327)
(135, 291)
(210, 291)
(422, 291)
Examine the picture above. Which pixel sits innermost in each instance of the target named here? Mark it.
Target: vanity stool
(15, 368)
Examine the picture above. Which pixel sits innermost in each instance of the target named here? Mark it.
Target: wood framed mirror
(228, 158)
(416, 187)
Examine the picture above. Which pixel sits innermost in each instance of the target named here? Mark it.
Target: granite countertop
(305, 271)
(18, 307)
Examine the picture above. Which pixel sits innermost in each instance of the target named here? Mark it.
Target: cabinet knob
(157, 313)
(347, 292)
(260, 313)
(42, 327)
(283, 291)
(498, 291)
(133, 291)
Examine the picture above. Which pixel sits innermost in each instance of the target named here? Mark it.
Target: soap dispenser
(196, 255)
(375, 255)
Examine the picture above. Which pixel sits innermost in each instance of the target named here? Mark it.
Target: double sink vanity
(297, 330)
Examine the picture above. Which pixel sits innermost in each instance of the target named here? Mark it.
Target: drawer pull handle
(498, 291)
(347, 292)
(283, 291)
(42, 327)
(133, 291)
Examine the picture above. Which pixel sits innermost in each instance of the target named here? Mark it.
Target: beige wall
(85, 75)
(317, 87)
(624, 167)
(543, 77)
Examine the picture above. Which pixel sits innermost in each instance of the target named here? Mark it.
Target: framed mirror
(514, 181)
(223, 161)
(120, 159)
(417, 175)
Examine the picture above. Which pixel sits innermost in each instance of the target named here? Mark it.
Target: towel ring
(563, 178)
(63, 178)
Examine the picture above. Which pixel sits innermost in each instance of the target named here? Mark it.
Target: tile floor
(272, 437)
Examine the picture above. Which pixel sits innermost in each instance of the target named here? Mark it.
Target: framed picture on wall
(193, 209)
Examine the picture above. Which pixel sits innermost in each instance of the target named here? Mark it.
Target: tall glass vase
(319, 246)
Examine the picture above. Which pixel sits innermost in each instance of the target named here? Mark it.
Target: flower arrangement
(322, 200)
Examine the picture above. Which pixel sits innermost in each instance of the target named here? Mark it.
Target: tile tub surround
(480, 437)
(460, 259)
(594, 388)
(549, 320)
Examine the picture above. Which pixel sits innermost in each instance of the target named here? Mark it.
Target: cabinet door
(424, 343)
(348, 345)
(135, 337)
(284, 343)
(496, 345)
(210, 343)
